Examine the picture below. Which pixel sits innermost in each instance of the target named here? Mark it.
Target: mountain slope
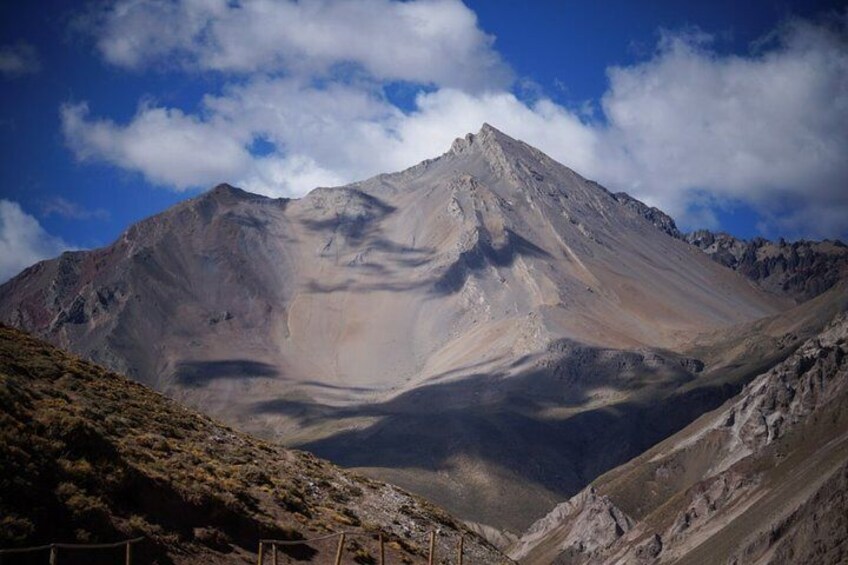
(89, 455)
(491, 287)
(762, 479)
(801, 270)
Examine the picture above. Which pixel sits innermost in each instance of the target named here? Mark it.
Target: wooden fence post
(340, 550)
(432, 558)
(382, 551)
(54, 555)
(261, 547)
(274, 553)
(129, 554)
(459, 557)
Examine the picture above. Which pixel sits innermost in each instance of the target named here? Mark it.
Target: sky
(727, 115)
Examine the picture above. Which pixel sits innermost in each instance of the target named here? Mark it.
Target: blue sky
(728, 115)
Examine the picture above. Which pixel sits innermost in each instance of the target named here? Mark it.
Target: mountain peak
(487, 137)
(489, 132)
(225, 193)
(225, 190)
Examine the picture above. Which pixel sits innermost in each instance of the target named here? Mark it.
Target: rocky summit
(487, 328)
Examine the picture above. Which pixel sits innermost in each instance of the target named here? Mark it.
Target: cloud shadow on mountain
(199, 373)
(532, 424)
(482, 254)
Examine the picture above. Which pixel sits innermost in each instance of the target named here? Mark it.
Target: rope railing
(271, 544)
(381, 555)
(55, 547)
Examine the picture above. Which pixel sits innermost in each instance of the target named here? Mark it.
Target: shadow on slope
(558, 425)
(198, 373)
(482, 254)
(89, 456)
(358, 226)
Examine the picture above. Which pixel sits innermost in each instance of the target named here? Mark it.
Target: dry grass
(87, 455)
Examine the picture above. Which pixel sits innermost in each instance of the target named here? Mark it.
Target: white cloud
(342, 133)
(19, 59)
(424, 41)
(323, 136)
(768, 129)
(23, 241)
(166, 145)
(687, 130)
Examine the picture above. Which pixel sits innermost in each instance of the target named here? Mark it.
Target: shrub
(79, 469)
(292, 501)
(14, 529)
(253, 475)
(212, 537)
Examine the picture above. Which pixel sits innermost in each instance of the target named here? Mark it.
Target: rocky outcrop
(657, 217)
(755, 481)
(776, 402)
(501, 539)
(801, 269)
(579, 529)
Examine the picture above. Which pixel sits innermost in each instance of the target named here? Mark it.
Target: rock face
(801, 270)
(763, 479)
(89, 456)
(582, 526)
(657, 217)
(540, 320)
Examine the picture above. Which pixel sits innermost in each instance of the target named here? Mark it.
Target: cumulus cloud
(687, 130)
(770, 129)
(18, 59)
(423, 41)
(166, 145)
(341, 133)
(322, 136)
(23, 241)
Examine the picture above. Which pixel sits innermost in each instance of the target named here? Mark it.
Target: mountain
(487, 328)
(763, 479)
(87, 455)
(800, 270)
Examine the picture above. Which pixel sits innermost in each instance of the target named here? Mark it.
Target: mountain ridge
(802, 269)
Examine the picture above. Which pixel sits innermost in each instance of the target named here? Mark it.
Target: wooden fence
(54, 548)
(271, 546)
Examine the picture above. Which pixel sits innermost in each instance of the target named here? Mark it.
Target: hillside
(87, 455)
(763, 479)
(544, 322)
